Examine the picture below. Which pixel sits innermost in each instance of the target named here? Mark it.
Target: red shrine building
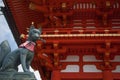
(82, 36)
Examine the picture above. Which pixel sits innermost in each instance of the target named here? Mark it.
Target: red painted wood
(72, 27)
(107, 75)
(55, 75)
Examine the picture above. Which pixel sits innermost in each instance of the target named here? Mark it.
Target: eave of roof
(12, 25)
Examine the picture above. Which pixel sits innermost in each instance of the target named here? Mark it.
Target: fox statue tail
(4, 50)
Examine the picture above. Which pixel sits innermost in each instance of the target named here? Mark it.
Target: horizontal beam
(81, 75)
(78, 38)
(86, 75)
(80, 35)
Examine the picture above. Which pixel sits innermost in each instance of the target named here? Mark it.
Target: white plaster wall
(71, 58)
(116, 59)
(117, 69)
(90, 68)
(71, 68)
(90, 58)
(76, 68)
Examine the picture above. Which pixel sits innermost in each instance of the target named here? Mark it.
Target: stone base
(17, 76)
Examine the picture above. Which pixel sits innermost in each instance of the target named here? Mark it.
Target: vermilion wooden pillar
(55, 75)
(107, 75)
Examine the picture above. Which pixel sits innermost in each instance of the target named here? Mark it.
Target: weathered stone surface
(17, 76)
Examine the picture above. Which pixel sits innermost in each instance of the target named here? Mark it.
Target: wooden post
(107, 75)
(55, 75)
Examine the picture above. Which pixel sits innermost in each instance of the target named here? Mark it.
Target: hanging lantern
(64, 5)
(108, 3)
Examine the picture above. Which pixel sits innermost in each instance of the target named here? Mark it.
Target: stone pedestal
(17, 76)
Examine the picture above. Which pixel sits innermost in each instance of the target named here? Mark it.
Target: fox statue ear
(32, 26)
(40, 29)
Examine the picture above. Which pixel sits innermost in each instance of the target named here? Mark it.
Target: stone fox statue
(9, 61)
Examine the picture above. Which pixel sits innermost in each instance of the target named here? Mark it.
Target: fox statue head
(34, 34)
